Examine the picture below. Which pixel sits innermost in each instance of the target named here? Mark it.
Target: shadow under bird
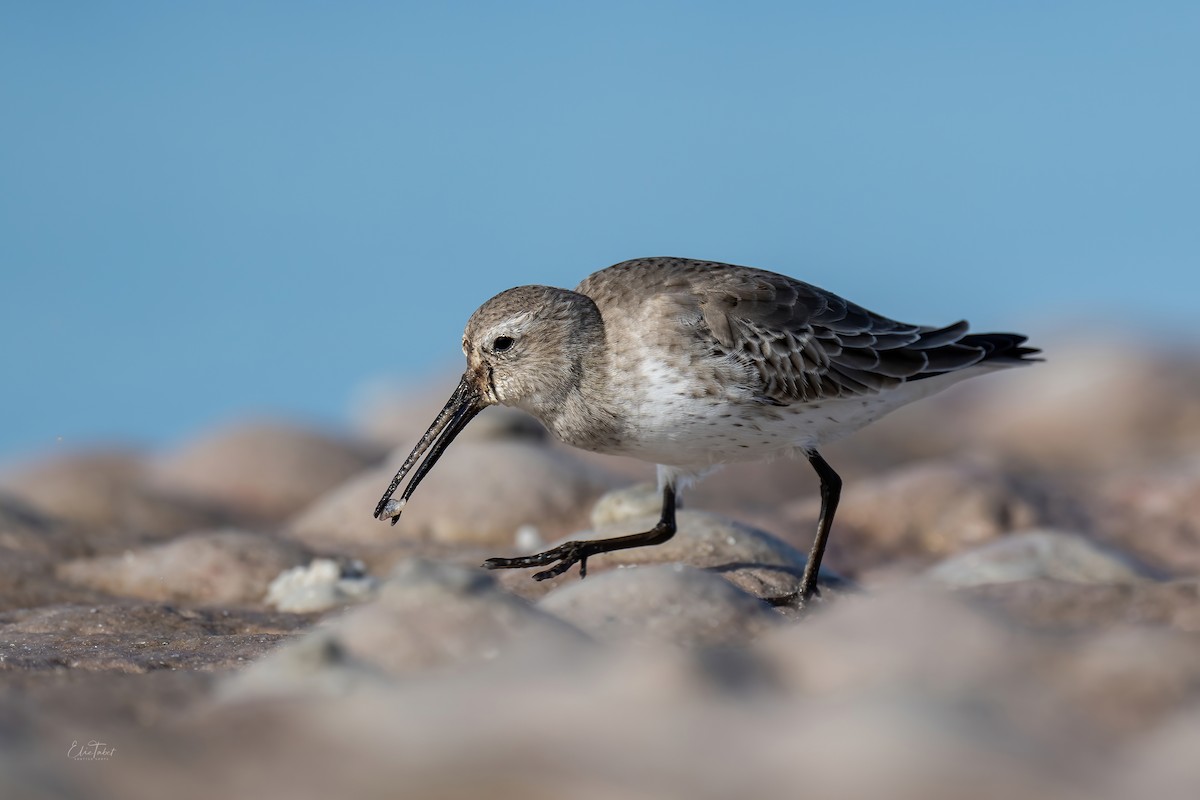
(690, 365)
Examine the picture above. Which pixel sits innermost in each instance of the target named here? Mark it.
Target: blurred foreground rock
(942, 697)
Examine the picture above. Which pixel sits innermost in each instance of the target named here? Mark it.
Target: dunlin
(691, 365)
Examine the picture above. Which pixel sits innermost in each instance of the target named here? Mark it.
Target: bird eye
(502, 343)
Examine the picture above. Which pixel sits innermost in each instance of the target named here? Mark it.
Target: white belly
(668, 425)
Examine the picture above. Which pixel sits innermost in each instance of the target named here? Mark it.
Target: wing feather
(804, 343)
(786, 341)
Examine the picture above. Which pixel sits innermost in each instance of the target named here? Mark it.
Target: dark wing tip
(1002, 346)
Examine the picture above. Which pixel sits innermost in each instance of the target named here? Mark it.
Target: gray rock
(669, 603)
(1035, 554)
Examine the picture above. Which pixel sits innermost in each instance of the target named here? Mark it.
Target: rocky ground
(1012, 609)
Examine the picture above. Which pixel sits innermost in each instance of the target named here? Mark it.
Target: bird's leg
(571, 552)
(831, 491)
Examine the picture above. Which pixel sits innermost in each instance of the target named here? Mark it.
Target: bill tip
(392, 510)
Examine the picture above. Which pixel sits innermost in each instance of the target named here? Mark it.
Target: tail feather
(1000, 349)
(1002, 346)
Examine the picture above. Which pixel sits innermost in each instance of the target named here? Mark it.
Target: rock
(901, 639)
(1049, 414)
(923, 512)
(31, 544)
(1074, 677)
(320, 586)
(431, 614)
(263, 469)
(28, 531)
(1163, 763)
(750, 559)
(31, 776)
(488, 730)
(661, 603)
(637, 502)
(137, 638)
(1061, 606)
(106, 492)
(1128, 678)
(482, 491)
(313, 665)
(214, 568)
(1035, 554)
(1153, 514)
(28, 582)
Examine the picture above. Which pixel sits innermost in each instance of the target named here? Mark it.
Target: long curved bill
(460, 409)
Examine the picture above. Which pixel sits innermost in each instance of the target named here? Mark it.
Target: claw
(567, 555)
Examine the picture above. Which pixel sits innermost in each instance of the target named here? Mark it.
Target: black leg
(571, 552)
(831, 490)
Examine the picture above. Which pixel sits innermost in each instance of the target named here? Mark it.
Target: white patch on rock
(319, 586)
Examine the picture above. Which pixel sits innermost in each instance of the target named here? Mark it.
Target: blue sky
(215, 209)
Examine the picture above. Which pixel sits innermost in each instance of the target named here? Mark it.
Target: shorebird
(691, 365)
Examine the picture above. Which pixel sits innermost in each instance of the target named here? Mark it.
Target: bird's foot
(799, 601)
(565, 554)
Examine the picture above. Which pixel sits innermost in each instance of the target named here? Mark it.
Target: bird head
(524, 348)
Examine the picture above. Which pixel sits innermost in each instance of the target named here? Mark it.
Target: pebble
(319, 586)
